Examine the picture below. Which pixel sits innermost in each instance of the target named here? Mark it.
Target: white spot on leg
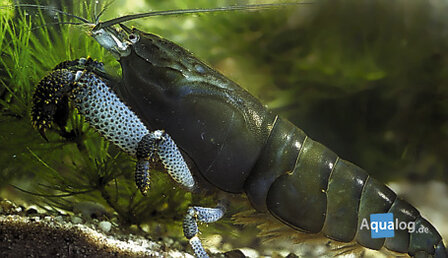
(78, 75)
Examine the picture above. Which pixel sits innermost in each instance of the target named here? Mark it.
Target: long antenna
(49, 8)
(97, 18)
(193, 11)
(125, 18)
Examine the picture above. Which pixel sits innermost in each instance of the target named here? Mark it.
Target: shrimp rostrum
(180, 111)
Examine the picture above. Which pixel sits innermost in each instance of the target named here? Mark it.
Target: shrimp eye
(133, 38)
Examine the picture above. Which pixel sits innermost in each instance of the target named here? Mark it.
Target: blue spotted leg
(190, 225)
(158, 146)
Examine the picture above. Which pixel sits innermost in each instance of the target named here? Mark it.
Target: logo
(383, 225)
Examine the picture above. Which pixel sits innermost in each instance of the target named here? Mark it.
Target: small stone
(168, 241)
(76, 220)
(31, 211)
(8, 207)
(89, 210)
(18, 209)
(249, 252)
(105, 226)
(234, 254)
(59, 219)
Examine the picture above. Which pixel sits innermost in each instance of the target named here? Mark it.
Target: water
(366, 79)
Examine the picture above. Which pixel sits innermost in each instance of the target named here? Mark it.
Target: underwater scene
(224, 128)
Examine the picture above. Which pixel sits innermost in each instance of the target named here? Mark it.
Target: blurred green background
(368, 79)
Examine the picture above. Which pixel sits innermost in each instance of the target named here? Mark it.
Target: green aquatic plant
(76, 164)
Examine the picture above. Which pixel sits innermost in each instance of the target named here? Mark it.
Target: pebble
(105, 226)
(249, 252)
(31, 211)
(89, 210)
(235, 254)
(168, 241)
(76, 220)
(7, 207)
(59, 219)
